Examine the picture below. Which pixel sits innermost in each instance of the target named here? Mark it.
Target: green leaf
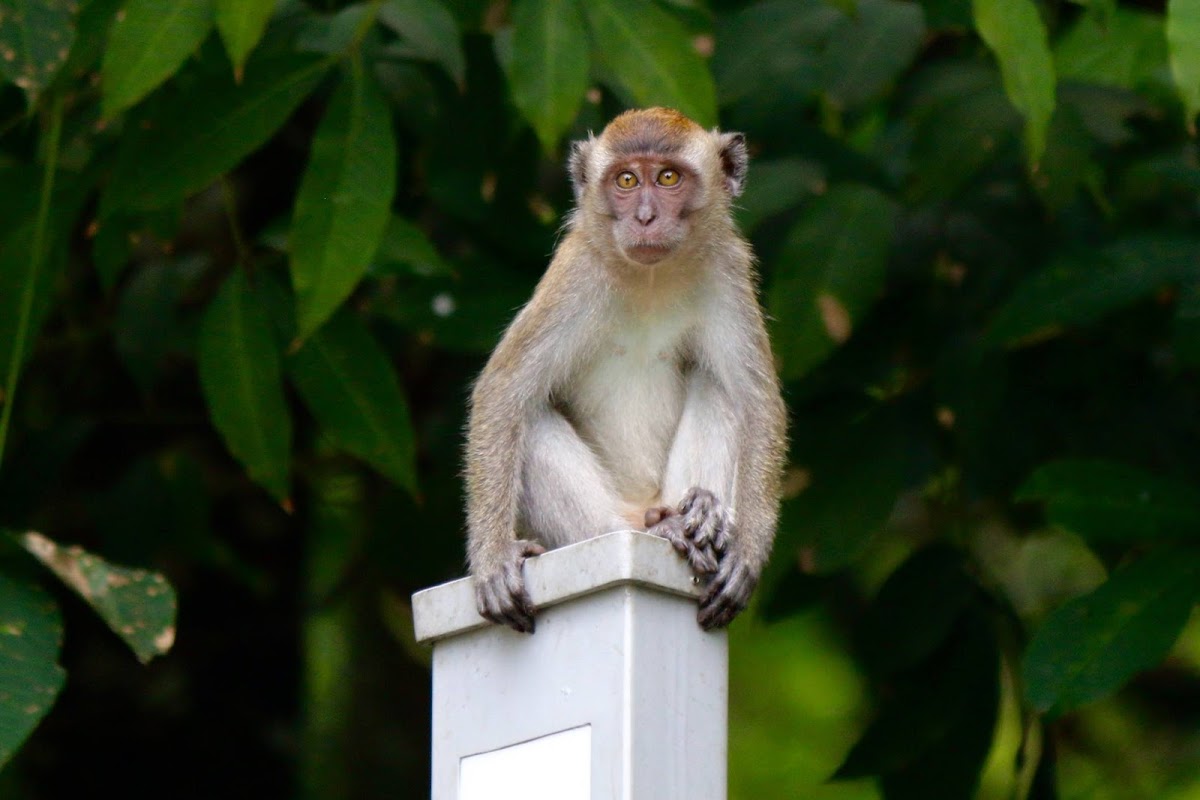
(241, 24)
(1080, 288)
(776, 186)
(868, 51)
(934, 730)
(35, 39)
(192, 138)
(774, 43)
(31, 634)
(1127, 51)
(148, 42)
(1183, 44)
(828, 273)
(240, 374)
(428, 32)
(1092, 645)
(347, 381)
(1015, 33)
(138, 605)
(406, 250)
(649, 57)
(915, 610)
(1108, 500)
(344, 200)
(550, 65)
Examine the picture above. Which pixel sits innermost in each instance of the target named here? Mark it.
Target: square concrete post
(618, 696)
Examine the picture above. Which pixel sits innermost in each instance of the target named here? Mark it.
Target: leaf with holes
(1090, 646)
(148, 42)
(649, 57)
(138, 605)
(1014, 32)
(343, 205)
(828, 273)
(241, 376)
(30, 639)
(35, 39)
(347, 382)
(549, 72)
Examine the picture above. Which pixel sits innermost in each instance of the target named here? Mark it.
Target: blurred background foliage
(253, 252)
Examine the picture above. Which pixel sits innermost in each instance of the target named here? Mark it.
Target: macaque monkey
(636, 389)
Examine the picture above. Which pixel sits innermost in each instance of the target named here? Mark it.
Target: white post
(619, 694)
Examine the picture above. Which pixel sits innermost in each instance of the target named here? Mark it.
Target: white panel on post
(617, 653)
(554, 767)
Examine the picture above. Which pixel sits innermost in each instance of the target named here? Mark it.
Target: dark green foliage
(253, 253)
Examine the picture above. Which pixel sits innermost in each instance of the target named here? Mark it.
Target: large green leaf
(428, 32)
(1080, 288)
(35, 38)
(147, 43)
(138, 605)
(828, 274)
(30, 638)
(241, 24)
(868, 51)
(1183, 43)
(240, 373)
(1091, 645)
(191, 138)
(915, 610)
(934, 730)
(344, 201)
(348, 383)
(649, 57)
(775, 43)
(1111, 500)
(550, 64)
(1127, 50)
(1014, 31)
(406, 250)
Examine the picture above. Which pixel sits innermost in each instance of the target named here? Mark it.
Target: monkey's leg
(567, 495)
(699, 479)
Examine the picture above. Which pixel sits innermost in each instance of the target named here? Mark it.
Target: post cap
(593, 565)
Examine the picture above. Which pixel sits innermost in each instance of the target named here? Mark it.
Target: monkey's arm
(514, 388)
(739, 355)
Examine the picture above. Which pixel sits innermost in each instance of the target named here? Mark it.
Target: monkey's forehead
(650, 130)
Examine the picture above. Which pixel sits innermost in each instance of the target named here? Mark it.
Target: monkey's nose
(646, 215)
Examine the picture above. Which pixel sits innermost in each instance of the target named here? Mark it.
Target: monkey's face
(650, 203)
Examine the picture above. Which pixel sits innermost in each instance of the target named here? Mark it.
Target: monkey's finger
(702, 560)
(720, 539)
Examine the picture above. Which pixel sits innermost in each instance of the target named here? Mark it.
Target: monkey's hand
(500, 594)
(698, 529)
(728, 592)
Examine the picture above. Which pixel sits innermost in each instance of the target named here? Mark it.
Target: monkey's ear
(577, 165)
(735, 160)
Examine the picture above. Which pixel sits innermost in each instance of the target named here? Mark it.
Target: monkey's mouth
(648, 253)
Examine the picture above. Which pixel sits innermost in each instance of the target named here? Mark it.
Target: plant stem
(37, 255)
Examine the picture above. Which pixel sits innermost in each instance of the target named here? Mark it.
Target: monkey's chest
(627, 406)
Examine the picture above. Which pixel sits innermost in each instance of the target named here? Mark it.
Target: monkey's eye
(668, 177)
(627, 180)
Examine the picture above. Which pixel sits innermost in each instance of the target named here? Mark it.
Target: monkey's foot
(728, 592)
(500, 595)
(665, 522)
